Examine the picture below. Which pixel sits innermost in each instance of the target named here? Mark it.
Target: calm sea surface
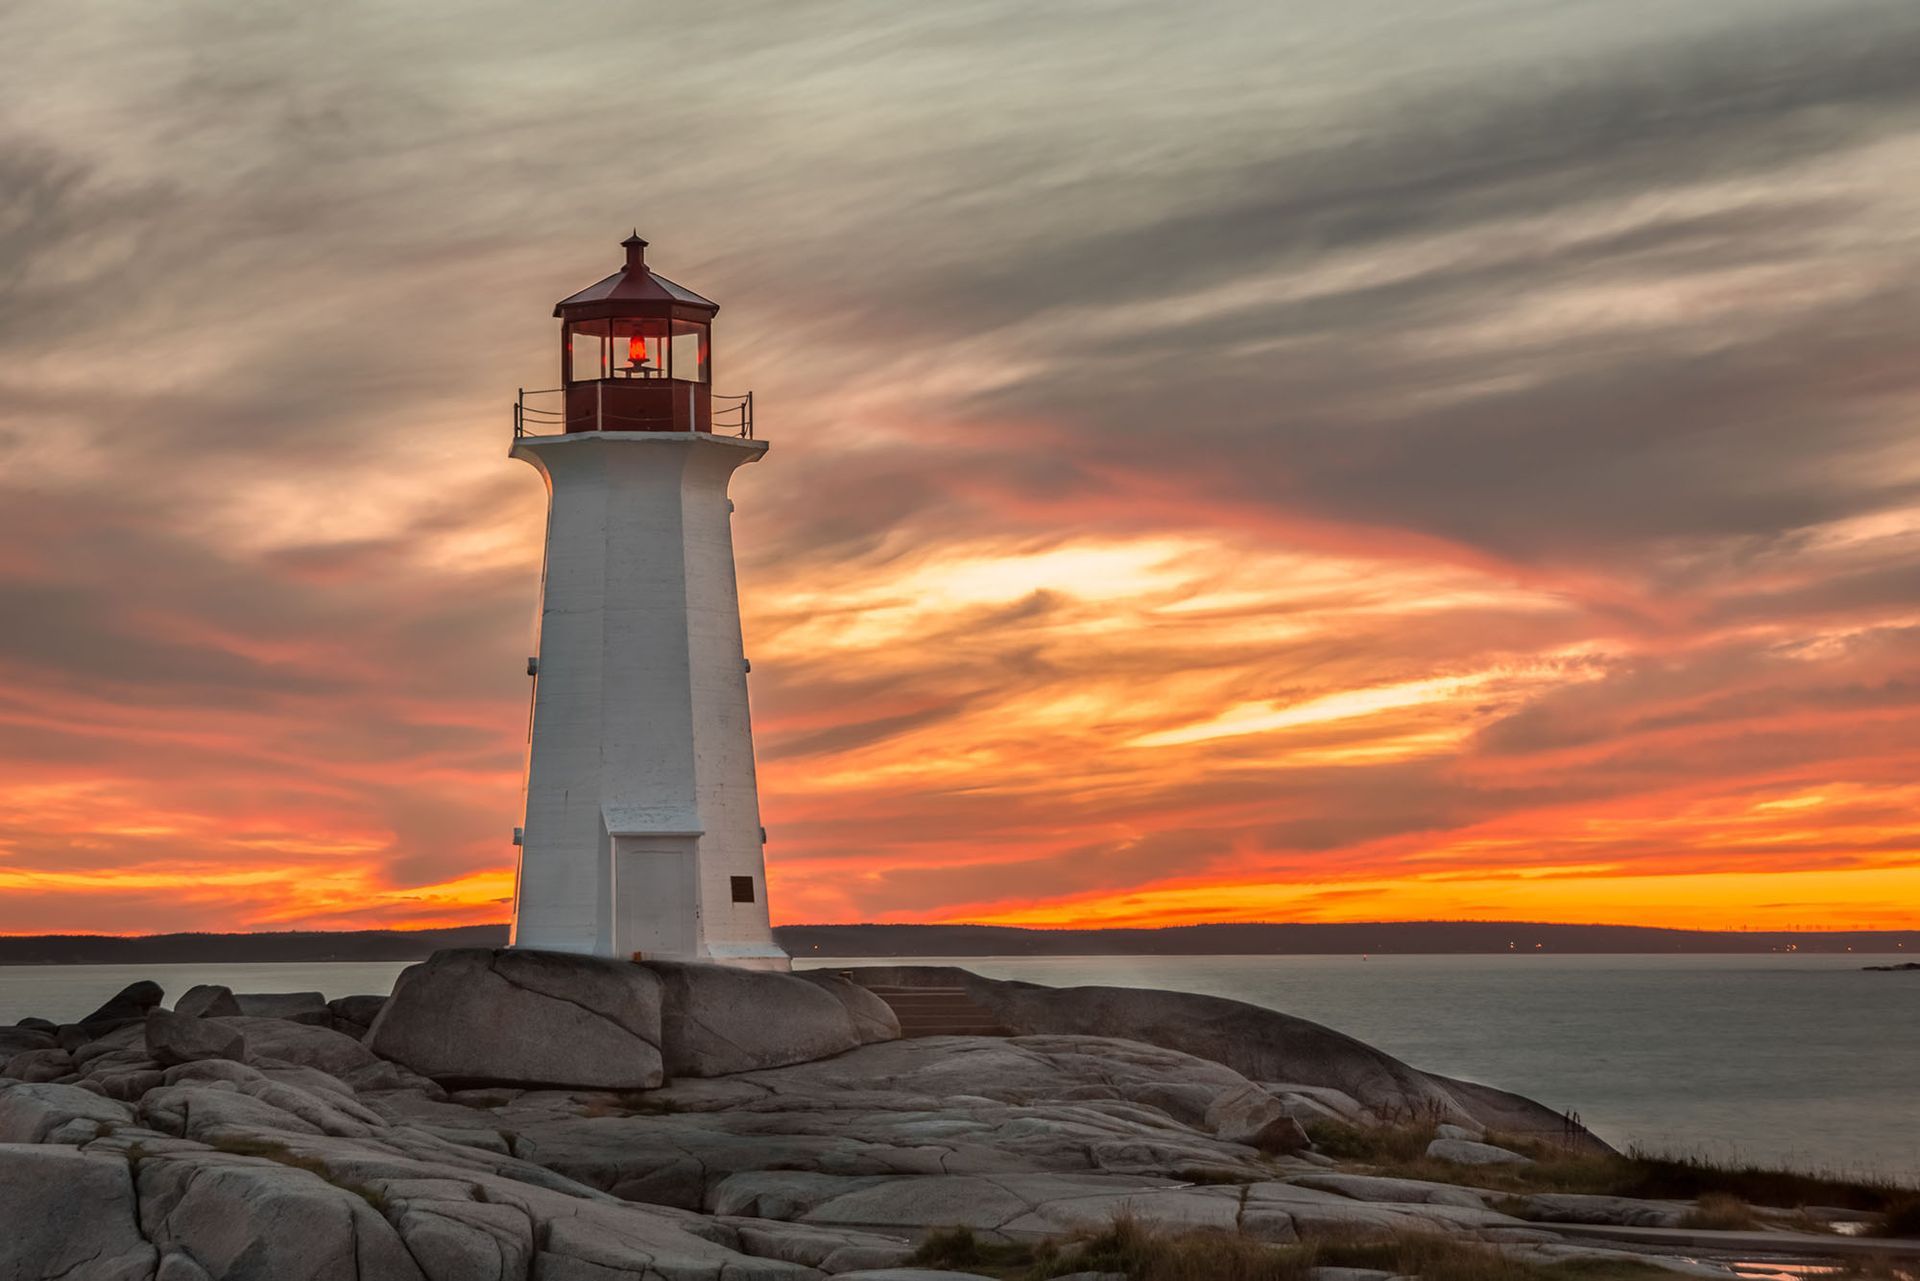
(1795, 1059)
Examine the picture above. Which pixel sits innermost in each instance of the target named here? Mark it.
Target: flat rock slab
(1468, 1152)
(1372, 1187)
(1570, 1207)
(1262, 1044)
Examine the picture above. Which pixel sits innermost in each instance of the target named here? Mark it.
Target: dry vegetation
(1140, 1253)
(1900, 1218)
(1721, 1212)
(1725, 1197)
(1400, 1151)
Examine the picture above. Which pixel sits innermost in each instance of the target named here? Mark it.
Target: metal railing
(536, 415)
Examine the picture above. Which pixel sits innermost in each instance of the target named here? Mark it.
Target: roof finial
(636, 251)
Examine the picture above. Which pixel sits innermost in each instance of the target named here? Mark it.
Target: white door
(656, 898)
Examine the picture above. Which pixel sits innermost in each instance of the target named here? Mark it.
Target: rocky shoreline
(525, 1115)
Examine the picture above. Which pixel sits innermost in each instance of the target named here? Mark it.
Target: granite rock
(70, 1215)
(1261, 1044)
(207, 1000)
(476, 1016)
(129, 1005)
(174, 1038)
(30, 1113)
(1468, 1152)
(22, 1040)
(718, 1020)
(294, 1007)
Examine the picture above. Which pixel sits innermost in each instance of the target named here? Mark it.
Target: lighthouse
(642, 834)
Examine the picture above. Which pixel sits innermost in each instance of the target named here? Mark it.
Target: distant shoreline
(858, 941)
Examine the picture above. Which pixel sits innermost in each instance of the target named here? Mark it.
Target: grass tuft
(1721, 1212)
(1396, 1144)
(1141, 1254)
(1900, 1218)
(1217, 1176)
(1399, 1151)
(956, 1248)
(1138, 1252)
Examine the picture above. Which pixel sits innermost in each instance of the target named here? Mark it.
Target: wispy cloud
(1366, 460)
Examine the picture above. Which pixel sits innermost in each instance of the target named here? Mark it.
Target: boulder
(478, 1016)
(39, 1025)
(1254, 1117)
(23, 1040)
(70, 1214)
(276, 1041)
(1468, 1152)
(125, 1044)
(207, 1001)
(174, 1038)
(180, 1267)
(355, 1014)
(31, 1113)
(716, 1020)
(126, 1086)
(295, 1007)
(873, 1017)
(129, 1005)
(40, 1065)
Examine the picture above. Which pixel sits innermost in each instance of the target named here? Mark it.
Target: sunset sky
(1332, 460)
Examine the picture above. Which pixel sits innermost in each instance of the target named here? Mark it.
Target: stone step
(968, 1018)
(938, 1011)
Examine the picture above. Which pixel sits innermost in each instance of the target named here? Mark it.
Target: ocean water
(1800, 1060)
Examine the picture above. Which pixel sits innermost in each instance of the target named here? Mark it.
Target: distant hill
(1315, 939)
(1381, 938)
(149, 949)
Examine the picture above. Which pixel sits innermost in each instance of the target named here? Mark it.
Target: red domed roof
(633, 290)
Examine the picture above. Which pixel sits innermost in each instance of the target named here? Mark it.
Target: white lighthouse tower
(642, 834)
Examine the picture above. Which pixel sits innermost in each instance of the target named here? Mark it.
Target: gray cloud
(1605, 292)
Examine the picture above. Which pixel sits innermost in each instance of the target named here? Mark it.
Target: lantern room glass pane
(691, 359)
(640, 348)
(586, 351)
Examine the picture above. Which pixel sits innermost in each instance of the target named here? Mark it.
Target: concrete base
(774, 962)
(780, 963)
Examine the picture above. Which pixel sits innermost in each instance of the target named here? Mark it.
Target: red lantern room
(636, 355)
